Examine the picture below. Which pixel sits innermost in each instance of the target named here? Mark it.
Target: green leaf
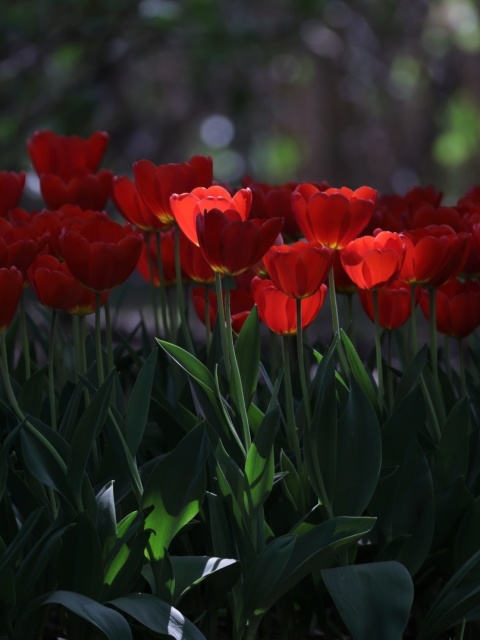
(8, 594)
(31, 395)
(358, 370)
(374, 599)
(126, 567)
(451, 457)
(157, 615)
(192, 570)
(259, 467)
(175, 489)
(247, 350)
(106, 521)
(138, 406)
(359, 455)
(9, 557)
(108, 621)
(412, 375)
(466, 539)
(87, 430)
(195, 369)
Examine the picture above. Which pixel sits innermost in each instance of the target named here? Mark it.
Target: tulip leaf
(195, 369)
(451, 457)
(106, 522)
(175, 489)
(10, 555)
(247, 350)
(31, 395)
(358, 370)
(259, 466)
(374, 599)
(466, 539)
(192, 570)
(139, 404)
(412, 375)
(157, 615)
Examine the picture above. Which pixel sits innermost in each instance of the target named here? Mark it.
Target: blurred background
(378, 92)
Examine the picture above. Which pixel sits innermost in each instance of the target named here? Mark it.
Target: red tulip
(373, 262)
(394, 304)
(232, 245)
(193, 262)
(11, 188)
(149, 258)
(279, 311)
(298, 269)
(18, 246)
(241, 303)
(343, 282)
(88, 191)
(187, 206)
(56, 288)
(274, 201)
(11, 286)
(433, 255)
(457, 307)
(66, 156)
(101, 254)
(132, 207)
(156, 184)
(334, 217)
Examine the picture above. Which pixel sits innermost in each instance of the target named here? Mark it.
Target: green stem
(24, 334)
(378, 349)
(301, 363)
(98, 340)
(82, 338)
(413, 319)
(463, 377)
(335, 321)
(108, 332)
(292, 434)
(350, 318)
(51, 377)
(389, 370)
(153, 288)
(433, 330)
(237, 381)
(166, 317)
(180, 297)
(208, 328)
(221, 322)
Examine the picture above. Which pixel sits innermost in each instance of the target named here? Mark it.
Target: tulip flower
(298, 269)
(18, 246)
(274, 201)
(11, 188)
(101, 254)
(193, 262)
(394, 304)
(232, 245)
(187, 206)
(11, 287)
(156, 184)
(373, 262)
(66, 156)
(149, 259)
(241, 303)
(334, 217)
(278, 311)
(132, 207)
(88, 191)
(457, 307)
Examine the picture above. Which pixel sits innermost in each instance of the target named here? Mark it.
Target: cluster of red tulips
(280, 244)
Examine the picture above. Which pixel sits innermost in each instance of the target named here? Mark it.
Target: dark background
(378, 92)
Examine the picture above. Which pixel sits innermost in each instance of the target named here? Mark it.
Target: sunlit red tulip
(374, 261)
(193, 262)
(56, 288)
(101, 254)
(156, 184)
(394, 304)
(11, 286)
(11, 188)
(334, 217)
(433, 255)
(241, 303)
(187, 206)
(457, 307)
(149, 258)
(88, 191)
(132, 207)
(66, 156)
(279, 311)
(232, 245)
(298, 269)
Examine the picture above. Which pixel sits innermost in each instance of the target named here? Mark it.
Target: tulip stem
(79, 336)
(24, 333)
(167, 323)
(208, 328)
(413, 320)
(108, 331)
(335, 321)
(180, 296)
(98, 340)
(151, 270)
(237, 380)
(350, 325)
(51, 378)
(292, 434)
(378, 348)
(221, 321)
(301, 363)
(433, 330)
(463, 377)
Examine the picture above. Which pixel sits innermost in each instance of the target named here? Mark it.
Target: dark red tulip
(241, 303)
(66, 156)
(274, 202)
(232, 245)
(373, 262)
(11, 188)
(334, 217)
(394, 304)
(279, 311)
(187, 206)
(149, 258)
(100, 253)
(298, 269)
(88, 191)
(132, 207)
(457, 307)
(18, 246)
(156, 184)
(194, 265)
(11, 286)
